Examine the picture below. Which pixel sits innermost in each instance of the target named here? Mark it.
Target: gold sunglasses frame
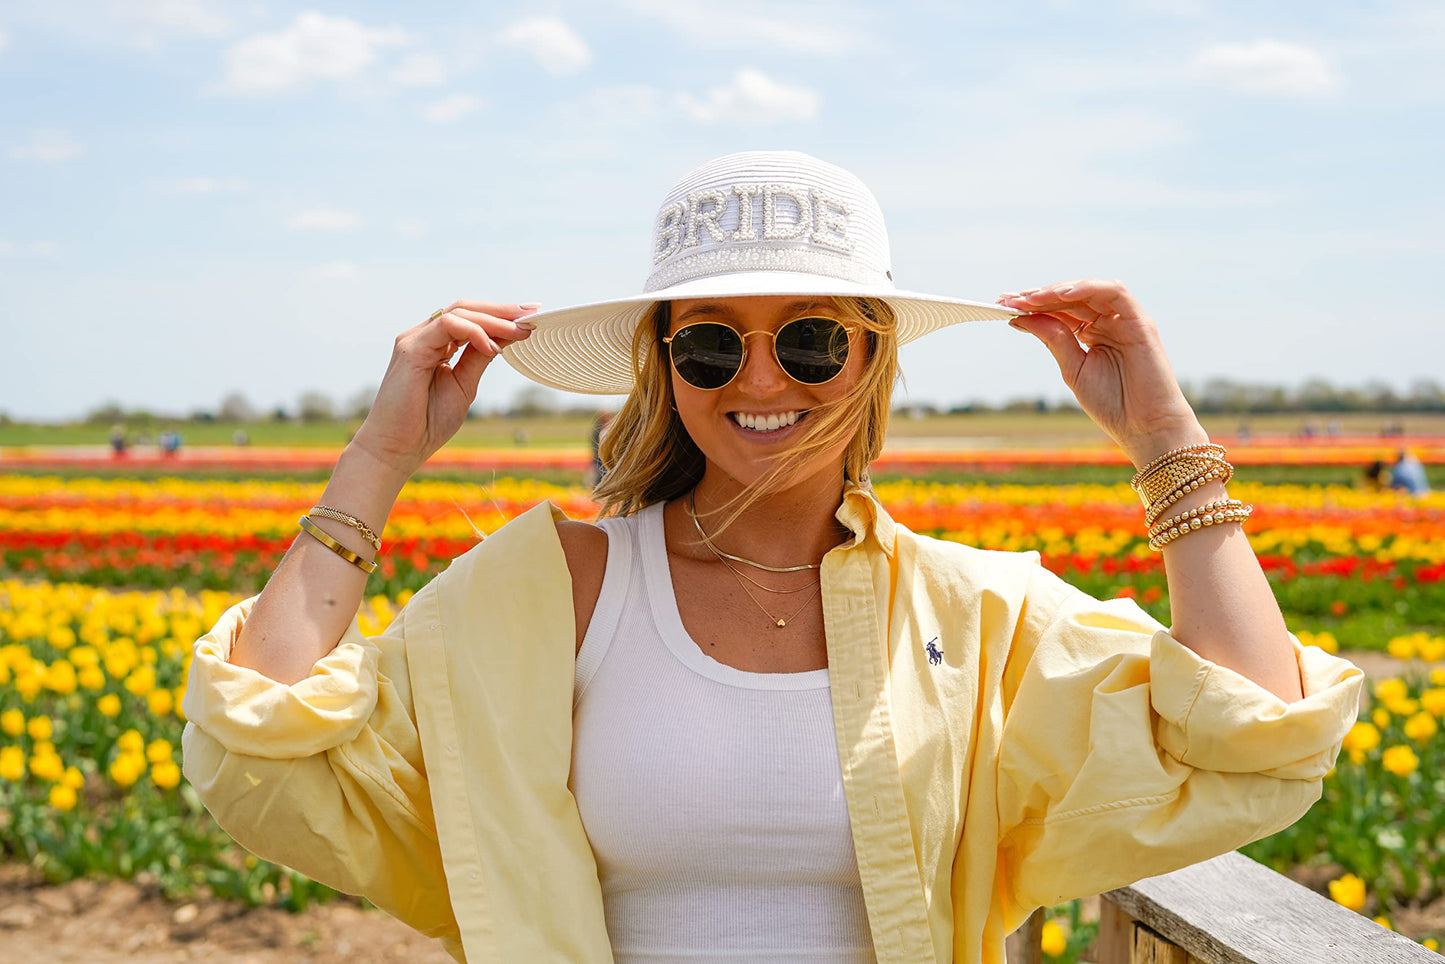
(743, 337)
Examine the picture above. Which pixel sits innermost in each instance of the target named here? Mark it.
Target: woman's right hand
(423, 398)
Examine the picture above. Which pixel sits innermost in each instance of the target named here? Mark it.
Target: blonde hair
(649, 456)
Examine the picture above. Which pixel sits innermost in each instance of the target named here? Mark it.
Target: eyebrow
(724, 310)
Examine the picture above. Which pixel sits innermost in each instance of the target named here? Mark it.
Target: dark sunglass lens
(812, 350)
(707, 355)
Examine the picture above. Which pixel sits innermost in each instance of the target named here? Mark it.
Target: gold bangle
(1175, 473)
(336, 547)
(1219, 517)
(1193, 513)
(1201, 448)
(1203, 477)
(326, 512)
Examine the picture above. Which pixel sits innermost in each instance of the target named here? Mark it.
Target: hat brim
(588, 348)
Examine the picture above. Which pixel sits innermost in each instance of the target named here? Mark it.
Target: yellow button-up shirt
(1006, 741)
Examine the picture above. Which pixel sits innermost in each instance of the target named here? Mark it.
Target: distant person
(599, 428)
(170, 442)
(117, 441)
(747, 716)
(1408, 474)
(1376, 477)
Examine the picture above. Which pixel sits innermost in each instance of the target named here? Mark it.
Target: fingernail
(493, 346)
(530, 305)
(525, 325)
(1014, 324)
(1064, 290)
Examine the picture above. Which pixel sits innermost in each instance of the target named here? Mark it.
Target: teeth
(766, 423)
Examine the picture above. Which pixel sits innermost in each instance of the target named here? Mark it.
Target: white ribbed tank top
(712, 797)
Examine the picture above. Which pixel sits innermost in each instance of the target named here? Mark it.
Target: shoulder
(585, 546)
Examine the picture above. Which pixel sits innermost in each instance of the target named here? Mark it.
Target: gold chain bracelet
(326, 512)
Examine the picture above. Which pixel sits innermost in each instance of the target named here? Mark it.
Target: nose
(761, 375)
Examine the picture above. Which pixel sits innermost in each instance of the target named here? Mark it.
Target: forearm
(1221, 604)
(312, 597)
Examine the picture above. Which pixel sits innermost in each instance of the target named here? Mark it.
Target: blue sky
(198, 196)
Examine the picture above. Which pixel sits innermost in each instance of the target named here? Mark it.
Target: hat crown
(769, 211)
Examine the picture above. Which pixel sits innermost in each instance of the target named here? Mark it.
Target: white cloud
(202, 185)
(419, 70)
(48, 147)
(1268, 67)
(336, 271)
(451, 109)
(752, 98)
(314, 47)
(322, 219)
(553, 44)
(816, 29)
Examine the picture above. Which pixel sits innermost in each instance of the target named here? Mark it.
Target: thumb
(469, 368)
(1058, 338)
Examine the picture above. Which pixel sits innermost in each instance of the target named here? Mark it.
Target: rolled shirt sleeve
(325, 775)
(1125, 754)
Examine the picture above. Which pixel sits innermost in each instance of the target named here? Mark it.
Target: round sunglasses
(709, 354)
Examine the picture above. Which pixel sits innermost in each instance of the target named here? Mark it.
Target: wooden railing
(1229, 910)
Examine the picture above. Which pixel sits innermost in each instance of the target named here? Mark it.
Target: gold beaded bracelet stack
(1173, 475)
(326, 512)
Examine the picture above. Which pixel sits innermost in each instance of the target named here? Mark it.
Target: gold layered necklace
(779, 622)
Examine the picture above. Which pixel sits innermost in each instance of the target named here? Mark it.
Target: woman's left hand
(1113, 361)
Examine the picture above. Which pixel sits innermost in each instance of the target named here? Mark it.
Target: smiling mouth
(763, 424)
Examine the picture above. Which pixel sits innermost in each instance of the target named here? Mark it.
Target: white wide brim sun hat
(755, 223)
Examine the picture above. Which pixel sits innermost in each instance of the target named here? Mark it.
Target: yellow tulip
(1384, 922)
(166, 775)
(1053, 939)
(12, 722)
(131, 742)
(40, 728)
(12, 763)
(159, 750)
(1362, 738)
(62, 797)
(1348, 891)
(1380, 716)
(127, 768)
(1391, 690)
(1433, 701)
(160, 702)
(109, 705)
(1400, 760)
(47, 766)
(73, 778)
(1421, 727)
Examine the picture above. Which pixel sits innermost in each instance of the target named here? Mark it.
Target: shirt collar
(865, 516)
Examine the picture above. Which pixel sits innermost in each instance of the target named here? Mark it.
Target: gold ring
(436, 314)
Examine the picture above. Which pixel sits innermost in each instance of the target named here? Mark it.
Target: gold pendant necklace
(779, 621)
(692, 511)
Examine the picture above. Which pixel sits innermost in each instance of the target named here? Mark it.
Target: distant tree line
(1217, 396)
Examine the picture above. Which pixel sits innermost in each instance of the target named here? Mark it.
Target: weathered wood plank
(1231, 910)
(1025, 945)
(1114, 945)
(1150, 948)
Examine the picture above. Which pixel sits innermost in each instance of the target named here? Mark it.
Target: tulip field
(106, 580)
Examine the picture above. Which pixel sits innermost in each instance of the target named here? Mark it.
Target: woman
(748, 717)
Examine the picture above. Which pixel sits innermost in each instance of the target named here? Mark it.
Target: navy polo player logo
(935, 655)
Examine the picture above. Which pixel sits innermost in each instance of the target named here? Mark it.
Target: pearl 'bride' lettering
(729, 216)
